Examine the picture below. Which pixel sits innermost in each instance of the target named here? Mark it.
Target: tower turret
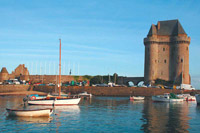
(4, 75)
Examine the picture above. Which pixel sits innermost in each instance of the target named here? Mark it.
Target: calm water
(106, 114)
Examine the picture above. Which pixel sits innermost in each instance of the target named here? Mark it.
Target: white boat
(198, 98)
(183, 96)
(191, 98)
(165, 98)
(56, 100)
(186, 97)
(137, 98)
(30, 113)
(85, 94)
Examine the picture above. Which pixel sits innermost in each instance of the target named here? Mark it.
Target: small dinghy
(137, 98)
(30, 113)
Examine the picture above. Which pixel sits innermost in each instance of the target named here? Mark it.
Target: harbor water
(105, 114)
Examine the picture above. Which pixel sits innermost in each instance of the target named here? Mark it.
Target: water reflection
(31, 119)
(165, 117)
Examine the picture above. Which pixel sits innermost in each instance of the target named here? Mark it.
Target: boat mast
(60, 70)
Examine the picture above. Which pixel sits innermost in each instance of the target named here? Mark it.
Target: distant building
(4, 75)
(21, 72)
(167, 53)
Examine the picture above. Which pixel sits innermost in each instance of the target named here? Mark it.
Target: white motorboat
(191, 98)
(165, 98)
(56, 100)
(30, 113)
(137, 98)
(183, 96)
(186, 97)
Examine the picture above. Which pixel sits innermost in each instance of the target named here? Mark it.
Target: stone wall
(109, 91)
(13, 88)
(52, 78)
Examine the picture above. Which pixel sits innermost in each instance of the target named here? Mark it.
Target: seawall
(110, 91)
(13, 88)
(97, 91)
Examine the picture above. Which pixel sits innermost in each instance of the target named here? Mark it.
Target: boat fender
(33, 98)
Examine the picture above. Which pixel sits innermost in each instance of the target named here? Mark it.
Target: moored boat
(191, 98)
(30, 113)
(183, 96)
(137, 98)
(85, 94)
(167, 97)
(56, 100)
(36, 96)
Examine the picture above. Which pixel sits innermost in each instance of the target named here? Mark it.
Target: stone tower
(4, 75)
(167, 53)
(21, 72)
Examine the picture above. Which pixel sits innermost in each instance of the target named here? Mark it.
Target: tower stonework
(167, 53)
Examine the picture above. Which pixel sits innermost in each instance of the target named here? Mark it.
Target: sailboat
(56, 100)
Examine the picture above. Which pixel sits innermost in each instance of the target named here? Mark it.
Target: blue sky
(98, 37)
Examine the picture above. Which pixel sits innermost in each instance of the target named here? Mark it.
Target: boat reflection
(165, 117)
(137, 101)
(31, 119)
(71, 109)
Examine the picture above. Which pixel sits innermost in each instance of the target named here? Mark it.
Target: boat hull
(136, 98)
(30, 113)
(55, 102)
(163, 99)
(191, 98)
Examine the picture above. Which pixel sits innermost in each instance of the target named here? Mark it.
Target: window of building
(161, 72)
(181, 60)
(187, 48)
(165, 61)
(155, 61)
(163, 49)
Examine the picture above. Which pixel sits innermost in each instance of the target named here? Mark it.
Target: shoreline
(15, 90)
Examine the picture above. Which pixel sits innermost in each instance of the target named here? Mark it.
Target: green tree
(96, 80)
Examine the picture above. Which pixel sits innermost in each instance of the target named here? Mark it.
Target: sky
(99, 37)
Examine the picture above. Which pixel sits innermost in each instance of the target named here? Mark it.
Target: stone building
(4, 75)
(167, 53)
(21, 72)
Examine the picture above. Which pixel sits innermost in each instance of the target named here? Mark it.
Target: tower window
(165, 61)
(163, 49)
(181, 60)
(187, 48)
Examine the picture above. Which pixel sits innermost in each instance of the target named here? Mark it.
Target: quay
(96, 91)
